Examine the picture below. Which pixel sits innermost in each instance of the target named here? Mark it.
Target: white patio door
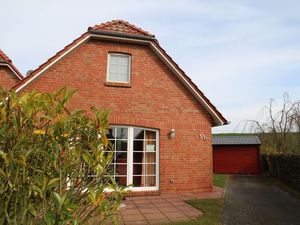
(136, 156)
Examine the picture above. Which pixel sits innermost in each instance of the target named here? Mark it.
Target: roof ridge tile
(121, 26)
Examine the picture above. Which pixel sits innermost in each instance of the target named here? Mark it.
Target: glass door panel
(118, 137)
(135, 156)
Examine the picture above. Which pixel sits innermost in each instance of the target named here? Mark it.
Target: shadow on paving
(259, 200)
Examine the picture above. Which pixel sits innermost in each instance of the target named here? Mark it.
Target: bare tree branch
(279, 128)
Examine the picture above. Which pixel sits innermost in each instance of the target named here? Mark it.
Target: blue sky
(239, 53)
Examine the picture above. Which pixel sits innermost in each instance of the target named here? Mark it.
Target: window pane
(144, 157)
(123, 69)
(150, 146)
(138, 157)
(138, 133)
(137, 181)
(113, 59)
(138, 145)
(110, 133)
(113, 68)
(121, 169)
(121, 180)
(119, 68)
(122, 133)
(124, 60)
(137, 169)
(121, 145)
(144, 181)
(123, 77)
(113, 76)
(150, 181)
(121, 157)
(144, 169)
(150, 157)
(150, 134)
(150, 169)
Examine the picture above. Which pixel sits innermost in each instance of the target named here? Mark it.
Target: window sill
(117, 84)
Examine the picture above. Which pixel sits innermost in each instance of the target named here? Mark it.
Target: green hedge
(285, 167)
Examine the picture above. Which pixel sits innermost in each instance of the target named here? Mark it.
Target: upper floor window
(119, 68)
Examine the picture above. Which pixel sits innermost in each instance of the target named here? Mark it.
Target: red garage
(236, 154)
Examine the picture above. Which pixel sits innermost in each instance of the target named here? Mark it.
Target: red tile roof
(6, 61)
(121, 26)
(4, 57)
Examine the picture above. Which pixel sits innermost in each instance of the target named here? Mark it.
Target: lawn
(211, 208)
(220, 180)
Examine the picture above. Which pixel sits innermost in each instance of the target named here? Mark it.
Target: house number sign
(203, 137)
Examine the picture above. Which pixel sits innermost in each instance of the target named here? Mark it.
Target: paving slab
(162, 209)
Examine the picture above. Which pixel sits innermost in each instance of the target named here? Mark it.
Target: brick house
(9, 74)
(160, 121)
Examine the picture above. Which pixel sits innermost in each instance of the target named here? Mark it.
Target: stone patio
(162, 209)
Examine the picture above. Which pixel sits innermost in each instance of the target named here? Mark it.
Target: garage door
(236, 159)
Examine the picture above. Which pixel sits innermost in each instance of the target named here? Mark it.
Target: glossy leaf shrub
(54, 163)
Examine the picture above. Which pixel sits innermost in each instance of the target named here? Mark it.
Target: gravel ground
(259, 200)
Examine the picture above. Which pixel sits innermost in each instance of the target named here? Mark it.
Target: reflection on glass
(122, 133)
(110, 133)
(138, 133)
(121, 145)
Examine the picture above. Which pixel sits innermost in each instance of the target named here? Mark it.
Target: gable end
(141, 37)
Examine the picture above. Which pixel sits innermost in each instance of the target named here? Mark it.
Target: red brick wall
(7, 78)
(156, 99)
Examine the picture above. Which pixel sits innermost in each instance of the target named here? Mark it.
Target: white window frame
(108, 67)
(130, 158)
